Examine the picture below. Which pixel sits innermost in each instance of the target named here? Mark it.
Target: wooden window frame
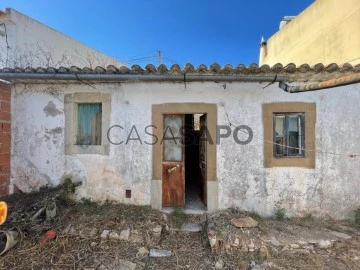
(286, 136)
(71, 123)
(309, 110)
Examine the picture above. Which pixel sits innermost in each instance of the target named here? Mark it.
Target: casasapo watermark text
(117, 135)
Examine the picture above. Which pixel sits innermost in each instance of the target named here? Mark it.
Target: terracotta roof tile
(295, 73)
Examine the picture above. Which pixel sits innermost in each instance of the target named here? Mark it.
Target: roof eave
(73, 77)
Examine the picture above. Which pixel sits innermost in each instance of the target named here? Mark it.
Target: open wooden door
(173, 169)
(202, 158)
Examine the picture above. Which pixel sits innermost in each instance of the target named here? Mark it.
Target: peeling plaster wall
(331, 188)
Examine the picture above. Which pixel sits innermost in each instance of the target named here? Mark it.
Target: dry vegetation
(79, 246)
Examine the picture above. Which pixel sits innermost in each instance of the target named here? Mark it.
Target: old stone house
(209, 138)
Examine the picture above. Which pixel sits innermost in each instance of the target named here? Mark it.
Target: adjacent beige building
(26, 42)
(328, 31)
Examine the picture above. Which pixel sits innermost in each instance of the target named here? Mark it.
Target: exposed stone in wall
(51, 110)
(5, 137)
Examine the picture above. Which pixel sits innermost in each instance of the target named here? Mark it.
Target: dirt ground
(81, 243)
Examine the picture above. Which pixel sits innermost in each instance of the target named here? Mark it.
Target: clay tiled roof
(304, 72)
(190, 69)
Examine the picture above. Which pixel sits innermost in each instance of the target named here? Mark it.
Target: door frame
(202, 158)
(158, 110)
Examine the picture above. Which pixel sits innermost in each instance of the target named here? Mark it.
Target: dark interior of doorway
(193, 186)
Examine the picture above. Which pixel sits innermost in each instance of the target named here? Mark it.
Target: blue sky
(194, 31)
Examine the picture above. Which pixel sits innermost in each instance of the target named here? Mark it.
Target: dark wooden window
(89, 124)
(289, 134)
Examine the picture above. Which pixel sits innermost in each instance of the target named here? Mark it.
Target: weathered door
(173, 169)
(202, 157)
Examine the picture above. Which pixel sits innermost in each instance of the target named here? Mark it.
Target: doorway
(195, 153)
(184, 161)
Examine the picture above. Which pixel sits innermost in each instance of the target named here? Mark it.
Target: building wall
(326, 32)
(38, 155)
(34, 44)
(5, 137)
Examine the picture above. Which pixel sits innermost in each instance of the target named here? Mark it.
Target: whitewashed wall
(331, 188)
(34, 44)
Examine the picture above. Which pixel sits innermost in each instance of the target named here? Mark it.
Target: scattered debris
(301, 251)
(302, 242)
(264, 266)
(140, 265)
(142, 253)
(105, 234)
(113, 235)
(341, 235)
(215, 240)
(160, 253)
(49, 235)
(118, 264)
(50, 210)
(219, 264)
(294, 246)
(251, 246)
(38, 213)
(165, 218)
(263, 252)
(191, 227)
(126, 265)
(324, 244)
(93, 232)
(275, 242)
(124, 235)
(135, 237)
(157, 231)
(81, 238)
(245, 222)
(8, 240)
(70, 230)
(236, 242)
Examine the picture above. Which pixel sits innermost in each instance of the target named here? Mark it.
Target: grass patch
(308, 217)
(205, 239)
(256, 217)
(88, 202)
(178, 216)
(307, 221)
(280, 214)
(357, 216)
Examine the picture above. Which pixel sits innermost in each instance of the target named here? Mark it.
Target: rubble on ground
(93, 235)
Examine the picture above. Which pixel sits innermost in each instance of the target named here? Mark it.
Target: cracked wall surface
(38, 155)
